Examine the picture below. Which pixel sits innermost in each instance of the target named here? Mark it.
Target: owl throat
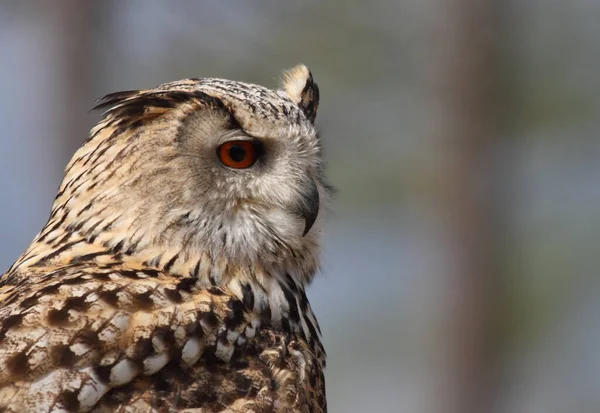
(270, 284)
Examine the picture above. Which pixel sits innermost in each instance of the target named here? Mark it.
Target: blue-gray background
(386, 296)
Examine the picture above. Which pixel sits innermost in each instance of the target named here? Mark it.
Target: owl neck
(275, 291)
(56, 247)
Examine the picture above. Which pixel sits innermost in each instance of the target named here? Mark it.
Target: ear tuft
(302, 90)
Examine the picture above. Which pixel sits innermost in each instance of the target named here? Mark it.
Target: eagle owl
(171, 274)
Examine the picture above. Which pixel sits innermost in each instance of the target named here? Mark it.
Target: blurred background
(461, 259)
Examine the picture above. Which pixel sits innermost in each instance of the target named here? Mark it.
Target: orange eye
(238, 154)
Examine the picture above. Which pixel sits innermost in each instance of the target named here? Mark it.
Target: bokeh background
(461, 259)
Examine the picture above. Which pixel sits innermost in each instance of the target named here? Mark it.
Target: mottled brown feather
(87, 325)
(112, 311)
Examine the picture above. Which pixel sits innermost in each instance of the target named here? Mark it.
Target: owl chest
(102, 343)
(268, 373)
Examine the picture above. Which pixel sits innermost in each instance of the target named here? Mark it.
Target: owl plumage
(166, 279)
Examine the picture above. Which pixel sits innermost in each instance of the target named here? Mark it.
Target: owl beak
(309, 206)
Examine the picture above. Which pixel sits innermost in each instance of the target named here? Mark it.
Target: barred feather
(163, 283)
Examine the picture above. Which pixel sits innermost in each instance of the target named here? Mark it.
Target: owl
(171, 274)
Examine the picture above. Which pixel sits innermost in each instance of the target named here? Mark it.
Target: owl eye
(238, 154)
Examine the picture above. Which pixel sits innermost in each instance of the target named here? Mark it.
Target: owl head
(227, 171)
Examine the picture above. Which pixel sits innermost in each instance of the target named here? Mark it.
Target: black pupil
(237, 153)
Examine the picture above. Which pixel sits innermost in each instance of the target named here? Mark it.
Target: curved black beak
(308, 207)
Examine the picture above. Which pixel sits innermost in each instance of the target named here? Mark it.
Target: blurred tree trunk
(72, 29)
(468, 88)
